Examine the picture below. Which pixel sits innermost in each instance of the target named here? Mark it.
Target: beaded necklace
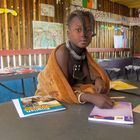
(77, 72)
(74, 54)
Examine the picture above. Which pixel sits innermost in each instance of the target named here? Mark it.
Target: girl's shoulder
(62, 52)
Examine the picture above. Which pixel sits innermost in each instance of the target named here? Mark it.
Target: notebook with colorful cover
(120, 85)
(120, 113)
(34, 105)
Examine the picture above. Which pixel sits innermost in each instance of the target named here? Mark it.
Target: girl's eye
(78, 30)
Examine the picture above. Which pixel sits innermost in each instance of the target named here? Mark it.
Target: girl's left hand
(100, 86)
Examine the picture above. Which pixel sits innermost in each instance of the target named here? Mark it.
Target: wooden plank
(3, 28)
(29, 24)
(0, 28)
(18, 23)
(108, 49)
(23, 25)
(25, 52)
(26, 25)
(100, 2)
(10, 5)
(56, 12)
(38, 7)
(129, 3)
(61, 12)
(34, 9)
(6, 28)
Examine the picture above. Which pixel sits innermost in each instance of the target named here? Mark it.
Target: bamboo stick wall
(105, 38)
(16, 31)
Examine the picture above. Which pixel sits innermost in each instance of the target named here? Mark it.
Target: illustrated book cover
(34, 105)
(120, 113)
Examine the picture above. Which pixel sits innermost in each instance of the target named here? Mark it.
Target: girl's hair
(81, 15)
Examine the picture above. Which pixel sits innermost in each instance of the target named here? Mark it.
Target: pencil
(118, 97)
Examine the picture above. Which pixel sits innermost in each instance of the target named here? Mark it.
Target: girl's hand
(100, 86)
(100, 100)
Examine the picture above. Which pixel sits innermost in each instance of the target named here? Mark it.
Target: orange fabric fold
(52, 82)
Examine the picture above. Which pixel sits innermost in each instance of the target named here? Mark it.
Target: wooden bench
(109, 53)
(27, 57)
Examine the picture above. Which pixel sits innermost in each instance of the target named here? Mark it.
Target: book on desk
(6, 71)
(34, 105)
(120, 113)
(120, 85)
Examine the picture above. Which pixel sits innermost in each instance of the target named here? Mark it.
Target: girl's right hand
(100, 100)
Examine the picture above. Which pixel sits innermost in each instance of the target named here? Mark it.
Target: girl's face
(76, 34)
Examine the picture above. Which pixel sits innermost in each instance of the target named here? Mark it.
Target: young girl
(71, 75)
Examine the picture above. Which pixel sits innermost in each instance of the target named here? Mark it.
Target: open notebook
(120, 113)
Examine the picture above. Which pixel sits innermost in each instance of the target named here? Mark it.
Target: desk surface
(71, 124)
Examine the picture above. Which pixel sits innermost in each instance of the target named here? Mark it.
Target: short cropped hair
(81, 15)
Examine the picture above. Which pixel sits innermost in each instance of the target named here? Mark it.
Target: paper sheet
(137, 109)
(119, 85)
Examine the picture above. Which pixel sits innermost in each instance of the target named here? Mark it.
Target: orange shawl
(52, 82)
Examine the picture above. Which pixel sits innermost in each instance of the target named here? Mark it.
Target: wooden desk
(71, 124)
